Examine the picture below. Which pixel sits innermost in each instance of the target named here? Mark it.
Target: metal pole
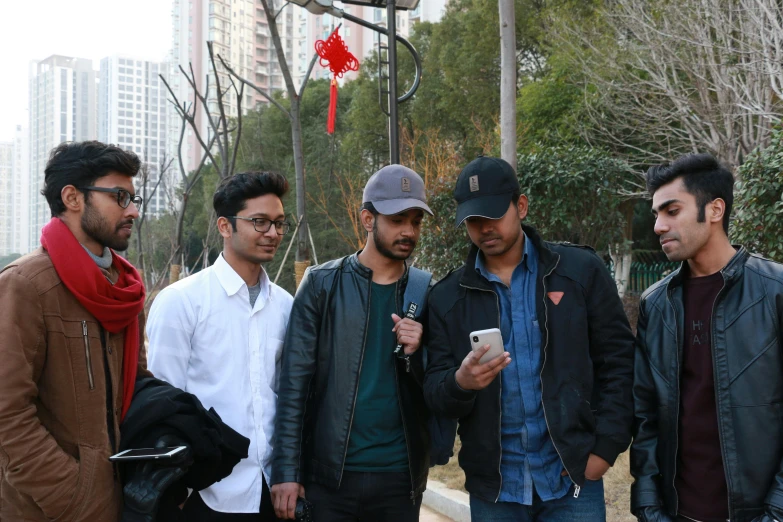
(508, 84)
(394, 128)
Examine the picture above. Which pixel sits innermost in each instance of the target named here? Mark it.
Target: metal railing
(645, 274)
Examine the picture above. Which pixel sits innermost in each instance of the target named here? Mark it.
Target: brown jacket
(56, 365)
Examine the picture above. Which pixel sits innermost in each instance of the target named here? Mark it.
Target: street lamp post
(326, 7)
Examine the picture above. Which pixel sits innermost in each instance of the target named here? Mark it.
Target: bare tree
(294, 115)
(219, 148)
(147, 189)
(665, 78)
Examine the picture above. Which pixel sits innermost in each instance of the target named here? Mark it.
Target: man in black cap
(541, 423)
(351, 427)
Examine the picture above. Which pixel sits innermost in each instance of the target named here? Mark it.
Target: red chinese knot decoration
(335, 55)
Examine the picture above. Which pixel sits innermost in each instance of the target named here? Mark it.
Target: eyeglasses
(263, 224)
(124, 197)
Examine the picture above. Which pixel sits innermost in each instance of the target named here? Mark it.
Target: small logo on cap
(406, 185)
(474, 186)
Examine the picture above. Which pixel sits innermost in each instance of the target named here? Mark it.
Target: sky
(93, 29)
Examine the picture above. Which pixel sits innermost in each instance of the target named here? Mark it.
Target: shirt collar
(529, 258)
(233, 283)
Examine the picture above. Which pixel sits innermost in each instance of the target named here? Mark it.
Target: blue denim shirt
(529, 459)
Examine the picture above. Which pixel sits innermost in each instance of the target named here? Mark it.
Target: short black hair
(704, 177)
(369, 207)
(80, 164)
(232, 193)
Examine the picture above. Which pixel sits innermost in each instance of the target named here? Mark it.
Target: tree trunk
(622, 253)
(302, 252)
(508, 83)
(175, 268)
(140, 250)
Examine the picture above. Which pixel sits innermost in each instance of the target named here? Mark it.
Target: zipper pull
(577, 489)
(84, 328)
(407, 365)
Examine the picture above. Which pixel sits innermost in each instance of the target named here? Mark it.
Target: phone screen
(148, 453)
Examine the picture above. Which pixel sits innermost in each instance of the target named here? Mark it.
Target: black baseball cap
(484, 188)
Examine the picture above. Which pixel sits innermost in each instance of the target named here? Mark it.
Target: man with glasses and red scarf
(72, 326)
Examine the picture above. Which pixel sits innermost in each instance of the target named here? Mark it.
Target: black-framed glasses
(263, 224)
(124, 197)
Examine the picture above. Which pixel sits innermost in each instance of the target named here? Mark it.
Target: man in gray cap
(542, 421)
(351, 430)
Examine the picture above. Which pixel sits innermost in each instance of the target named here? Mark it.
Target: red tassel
(332, 107)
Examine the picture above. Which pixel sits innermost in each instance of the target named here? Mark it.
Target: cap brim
(390, 207)
(492, 207)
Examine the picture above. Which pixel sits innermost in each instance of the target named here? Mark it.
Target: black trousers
(365, 497)
(196, 510)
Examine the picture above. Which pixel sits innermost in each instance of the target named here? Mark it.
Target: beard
(99, 229)
(385, 249)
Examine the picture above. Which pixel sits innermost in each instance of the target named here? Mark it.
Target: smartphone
(493, 338)
(148, 453)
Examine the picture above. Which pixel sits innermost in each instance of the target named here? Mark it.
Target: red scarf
(116, 306)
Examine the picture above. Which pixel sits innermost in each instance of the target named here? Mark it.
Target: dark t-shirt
(377, 440)
(701, 479)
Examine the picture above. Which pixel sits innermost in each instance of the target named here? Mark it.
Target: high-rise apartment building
(62, 108)
(132, 113)
(241, 36)
(14, 186)
(6, 197)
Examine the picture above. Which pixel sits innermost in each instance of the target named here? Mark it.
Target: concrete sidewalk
(428, 515)
(448, 503)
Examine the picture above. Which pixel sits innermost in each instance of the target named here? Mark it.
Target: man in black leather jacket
(351, 428)
(541, 423)
(708, 392)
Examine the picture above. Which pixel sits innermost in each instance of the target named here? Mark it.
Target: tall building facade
(62, 108)
(6, 197)
(132, 113)
(240, 34)
(14, 217)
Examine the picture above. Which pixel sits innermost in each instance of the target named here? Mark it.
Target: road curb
(449, 502)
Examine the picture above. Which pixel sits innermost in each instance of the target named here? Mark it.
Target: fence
(645, 274)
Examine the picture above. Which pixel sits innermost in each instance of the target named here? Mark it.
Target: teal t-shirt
(377, 438)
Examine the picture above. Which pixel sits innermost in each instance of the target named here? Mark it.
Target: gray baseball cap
(395, 189)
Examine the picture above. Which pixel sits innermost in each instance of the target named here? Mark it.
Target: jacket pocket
(90, 376)
(81, 497)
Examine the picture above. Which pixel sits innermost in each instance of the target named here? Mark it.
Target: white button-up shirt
(204, 338)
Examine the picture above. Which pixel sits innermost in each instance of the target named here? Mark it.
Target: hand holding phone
(487, 358)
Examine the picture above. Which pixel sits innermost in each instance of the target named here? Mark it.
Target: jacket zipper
(90, 377)
(676, 404)
(358, 377)
(500, 395)
(714, 372)
(577, 487)
(399, 399)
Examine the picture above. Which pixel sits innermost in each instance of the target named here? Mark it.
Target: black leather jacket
(587, 362)
(322, 358)
(747, 356)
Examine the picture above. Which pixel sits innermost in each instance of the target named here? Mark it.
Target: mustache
(665, 237)
(405, 242)
(489, 237)
(122, 224)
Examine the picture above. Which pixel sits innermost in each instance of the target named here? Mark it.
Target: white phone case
(493, 338)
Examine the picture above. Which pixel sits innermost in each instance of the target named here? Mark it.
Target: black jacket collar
(547, 259)
(731, 272)
(353, 262)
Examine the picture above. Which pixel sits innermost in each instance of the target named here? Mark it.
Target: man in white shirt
(219, 334)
